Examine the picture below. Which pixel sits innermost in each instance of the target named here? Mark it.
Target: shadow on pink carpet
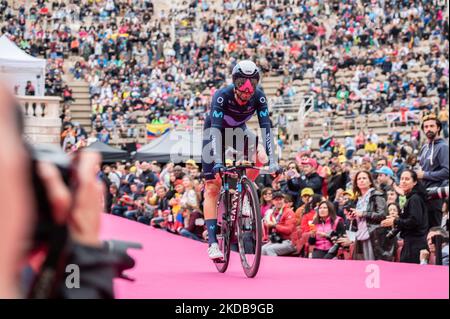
(173, 267)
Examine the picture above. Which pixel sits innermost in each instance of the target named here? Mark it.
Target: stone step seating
(80, 109)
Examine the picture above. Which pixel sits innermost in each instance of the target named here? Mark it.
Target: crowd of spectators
(318, 208)
(40, 33)
(356, 57)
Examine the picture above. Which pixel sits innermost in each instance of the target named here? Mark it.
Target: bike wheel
(249, 227)
(223, 232)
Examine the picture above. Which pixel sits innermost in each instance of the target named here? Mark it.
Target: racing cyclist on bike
(231, 108)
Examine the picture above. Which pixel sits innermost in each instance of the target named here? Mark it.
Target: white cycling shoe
(214, 252)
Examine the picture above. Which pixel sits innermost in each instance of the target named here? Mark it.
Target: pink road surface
(173, 267)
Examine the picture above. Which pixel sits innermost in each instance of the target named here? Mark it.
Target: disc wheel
(249, 228)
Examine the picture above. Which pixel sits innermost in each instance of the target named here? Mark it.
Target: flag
(156, 130)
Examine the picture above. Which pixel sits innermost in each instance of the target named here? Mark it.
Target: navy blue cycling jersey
(227, 113)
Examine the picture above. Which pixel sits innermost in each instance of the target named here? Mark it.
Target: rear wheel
(249, 227)
(223, 232)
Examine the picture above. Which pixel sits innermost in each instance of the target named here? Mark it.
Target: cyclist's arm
(217, 115)
(266, 127)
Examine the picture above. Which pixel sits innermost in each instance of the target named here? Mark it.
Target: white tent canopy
(17, 67)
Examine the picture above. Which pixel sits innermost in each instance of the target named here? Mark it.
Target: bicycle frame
(240, 172)
(230, 215)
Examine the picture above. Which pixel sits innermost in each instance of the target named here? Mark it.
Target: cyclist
(231, 108)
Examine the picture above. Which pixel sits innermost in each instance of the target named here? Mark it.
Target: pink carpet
(173, 267)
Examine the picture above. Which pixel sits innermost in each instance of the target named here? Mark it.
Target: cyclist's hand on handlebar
(218, 168)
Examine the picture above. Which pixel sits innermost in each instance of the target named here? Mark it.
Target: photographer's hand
(81, 211)
(84, 222)
(16, 216)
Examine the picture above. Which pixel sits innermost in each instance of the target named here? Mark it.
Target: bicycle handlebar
(232, 169)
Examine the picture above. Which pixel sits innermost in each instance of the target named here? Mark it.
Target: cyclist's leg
(212, 191)
(212, 188)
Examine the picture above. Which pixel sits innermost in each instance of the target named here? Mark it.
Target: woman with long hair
(413, 220)
(326, 226)
(369, 211)
(266, 200)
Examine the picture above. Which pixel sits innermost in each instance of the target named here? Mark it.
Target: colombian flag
(156, 130)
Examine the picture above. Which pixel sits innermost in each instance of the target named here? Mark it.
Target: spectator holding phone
(309, 178)
(292, 172)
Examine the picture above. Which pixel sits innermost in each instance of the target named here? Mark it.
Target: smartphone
(291, 173)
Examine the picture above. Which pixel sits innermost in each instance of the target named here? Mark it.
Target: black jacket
(337, 181)
(163, 204)
(313, 181)
(264, 180)
(413, 220)
(149, 178)
(294, 186)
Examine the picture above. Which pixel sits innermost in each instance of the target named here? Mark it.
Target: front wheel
(249, 227)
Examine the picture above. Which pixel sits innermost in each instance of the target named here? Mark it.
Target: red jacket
(286, 224)
(306, 219)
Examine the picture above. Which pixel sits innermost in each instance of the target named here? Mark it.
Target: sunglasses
(242, 84)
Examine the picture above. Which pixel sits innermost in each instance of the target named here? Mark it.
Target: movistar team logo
(264, 113)
(218, 114)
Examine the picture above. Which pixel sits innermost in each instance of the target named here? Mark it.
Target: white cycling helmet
(245, 69)
(245, 80)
